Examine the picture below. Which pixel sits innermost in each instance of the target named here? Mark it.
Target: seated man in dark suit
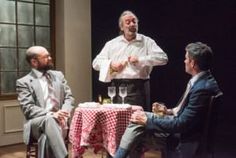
(187, 118)
(46, 101)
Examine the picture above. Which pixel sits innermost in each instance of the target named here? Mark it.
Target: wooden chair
(32, 149)
(206, 147)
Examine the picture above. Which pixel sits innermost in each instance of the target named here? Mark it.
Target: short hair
(201, 53)
(124, 13)
(33, 52)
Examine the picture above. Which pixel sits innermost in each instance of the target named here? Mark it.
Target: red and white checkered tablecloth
(98, 128)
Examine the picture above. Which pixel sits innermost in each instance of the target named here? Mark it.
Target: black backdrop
(173, 24)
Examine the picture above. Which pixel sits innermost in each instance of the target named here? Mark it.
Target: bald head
(33, 52)
(39, 58)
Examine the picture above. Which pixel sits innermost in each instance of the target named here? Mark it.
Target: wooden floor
(18, 151)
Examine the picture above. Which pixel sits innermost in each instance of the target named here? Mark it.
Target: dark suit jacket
(190, 120)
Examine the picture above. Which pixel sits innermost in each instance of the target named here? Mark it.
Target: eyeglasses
(43, 56)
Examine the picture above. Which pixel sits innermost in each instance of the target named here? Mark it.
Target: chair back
(206, 146)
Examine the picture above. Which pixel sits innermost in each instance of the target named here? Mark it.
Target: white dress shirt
(119, 49)
(44, 85)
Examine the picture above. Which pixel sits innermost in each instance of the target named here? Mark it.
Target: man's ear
(121, 27)
(34, 62)
(192, 63)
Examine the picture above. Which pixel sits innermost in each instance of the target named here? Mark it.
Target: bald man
(46, 102)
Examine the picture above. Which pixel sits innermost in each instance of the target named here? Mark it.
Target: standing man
(186, 119)
(127, 60)
(46, 101)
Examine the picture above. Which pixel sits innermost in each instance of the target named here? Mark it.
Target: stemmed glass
(111, 92)
(123, 93)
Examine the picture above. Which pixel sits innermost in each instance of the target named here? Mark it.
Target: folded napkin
(116, 106)
(89, 105)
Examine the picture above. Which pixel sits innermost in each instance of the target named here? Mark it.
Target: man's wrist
(50, 113)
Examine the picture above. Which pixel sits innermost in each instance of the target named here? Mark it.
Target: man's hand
(133, 60)
(139, 117)
(61, 116)
(118, 66)
(158, 108)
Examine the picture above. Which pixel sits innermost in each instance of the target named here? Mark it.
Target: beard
(133, 29)
(44, 68)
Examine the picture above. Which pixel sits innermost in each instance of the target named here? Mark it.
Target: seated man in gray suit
(46, 101)
(187, 118)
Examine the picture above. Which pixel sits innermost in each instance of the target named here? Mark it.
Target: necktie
(52, 103)
(178, 107)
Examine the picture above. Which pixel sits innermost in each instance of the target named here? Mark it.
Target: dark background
(173, 24)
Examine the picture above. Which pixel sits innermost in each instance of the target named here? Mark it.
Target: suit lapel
(206, 75)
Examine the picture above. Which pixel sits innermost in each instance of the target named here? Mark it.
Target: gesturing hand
(133, 59)
(118, 66)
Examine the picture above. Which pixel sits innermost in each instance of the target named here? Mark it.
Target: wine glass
(123, 93)
(111, 92)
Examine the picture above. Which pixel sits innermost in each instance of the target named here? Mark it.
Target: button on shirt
(119, 49)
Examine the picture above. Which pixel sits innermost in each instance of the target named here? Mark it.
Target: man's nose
(132, 23)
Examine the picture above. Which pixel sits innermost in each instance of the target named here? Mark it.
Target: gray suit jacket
(30, 96)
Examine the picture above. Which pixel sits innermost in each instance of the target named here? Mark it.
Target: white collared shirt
(44, 85)
(119, 49)
(196, 77)
(43, 82)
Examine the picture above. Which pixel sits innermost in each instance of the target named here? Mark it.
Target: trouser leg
(54, 135)
(42, 146)
(48, 126)
(129, 138)
(137, 136)
(132, 132)
(135, 139)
